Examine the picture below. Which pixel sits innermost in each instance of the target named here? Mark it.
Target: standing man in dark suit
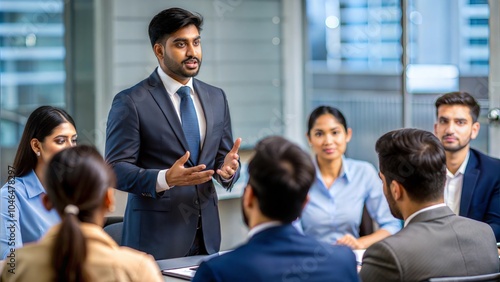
(280, 175)
(472, 178)
(434, 242)
(166, 138)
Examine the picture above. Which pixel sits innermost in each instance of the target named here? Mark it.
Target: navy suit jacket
(144, 135)
(481, 190)
(281, 253)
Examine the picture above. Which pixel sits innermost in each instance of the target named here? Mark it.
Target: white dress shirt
(263, 226)
(453, 187)
(172, 85)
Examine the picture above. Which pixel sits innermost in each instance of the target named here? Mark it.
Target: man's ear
(475, 130)
(248, 196)
(109, 200)
(396, 190)
(158, 50)
(46, 202)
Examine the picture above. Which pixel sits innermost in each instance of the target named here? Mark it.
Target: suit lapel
(206, 103)
(471, 176)
(160, 95)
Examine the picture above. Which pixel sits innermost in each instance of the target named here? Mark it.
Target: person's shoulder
(138, 89)
(475, 225)
(126, 254)
(359, 164)
(484, 159)
(203, 85)
(16, 185)
(361, 168)
(134, 90)
(34, 253)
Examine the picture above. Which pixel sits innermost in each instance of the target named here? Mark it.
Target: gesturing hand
(230, 164)
(178, 175)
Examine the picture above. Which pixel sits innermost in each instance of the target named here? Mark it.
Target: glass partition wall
(362, 52)
(32, 67)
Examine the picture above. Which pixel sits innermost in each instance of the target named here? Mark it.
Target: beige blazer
(106, 261)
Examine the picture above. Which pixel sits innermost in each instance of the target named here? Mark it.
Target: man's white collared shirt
(453, 187)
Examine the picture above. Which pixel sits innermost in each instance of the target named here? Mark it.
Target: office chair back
(115, 231)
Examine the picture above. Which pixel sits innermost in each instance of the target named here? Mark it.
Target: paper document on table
(359, 255)
(186, 273)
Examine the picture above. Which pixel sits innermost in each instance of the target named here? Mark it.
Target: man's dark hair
(280, 174)
(416, 159)
(171, 20)
(460, 98)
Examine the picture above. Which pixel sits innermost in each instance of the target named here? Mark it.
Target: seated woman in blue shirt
(23, 217)
(342, 187)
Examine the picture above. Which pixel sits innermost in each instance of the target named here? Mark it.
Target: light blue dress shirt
(332, 213)
(24, 219)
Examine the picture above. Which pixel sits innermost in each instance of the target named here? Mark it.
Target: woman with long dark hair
(79, 187)
(23, 217)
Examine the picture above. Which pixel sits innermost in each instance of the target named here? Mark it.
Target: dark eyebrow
(182, 39)
(64, 136)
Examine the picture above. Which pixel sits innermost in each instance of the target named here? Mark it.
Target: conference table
(177, 263)
(188, 262)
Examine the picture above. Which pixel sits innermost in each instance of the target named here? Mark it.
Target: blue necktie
(190, 123)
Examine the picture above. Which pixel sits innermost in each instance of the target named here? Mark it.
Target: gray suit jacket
(435, 243)
(144, 135)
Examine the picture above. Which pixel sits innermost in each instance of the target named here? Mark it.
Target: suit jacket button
(196, 202)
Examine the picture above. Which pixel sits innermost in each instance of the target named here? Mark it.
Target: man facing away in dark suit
(434, 242)
(280, 175)
(166, 138)
(472, 179)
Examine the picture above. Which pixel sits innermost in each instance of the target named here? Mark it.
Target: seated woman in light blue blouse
(342, 187)
(23, 217)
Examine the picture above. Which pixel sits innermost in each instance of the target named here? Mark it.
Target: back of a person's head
(460, 98)
(40, 124)
(416, 159)
(169, 21)
(77, 180)
(280, 174)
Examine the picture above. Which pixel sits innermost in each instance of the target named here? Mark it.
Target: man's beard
(178, 69)
(392, 205)
(454, 148)
(243, 214)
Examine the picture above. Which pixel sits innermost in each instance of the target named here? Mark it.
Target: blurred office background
(381, 62)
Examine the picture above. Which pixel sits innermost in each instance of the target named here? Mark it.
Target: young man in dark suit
(280, 175)
(166, 138)
(434, 242)
(472, 178)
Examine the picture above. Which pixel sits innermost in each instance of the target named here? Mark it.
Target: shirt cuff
(161, 181)
(227, 180)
